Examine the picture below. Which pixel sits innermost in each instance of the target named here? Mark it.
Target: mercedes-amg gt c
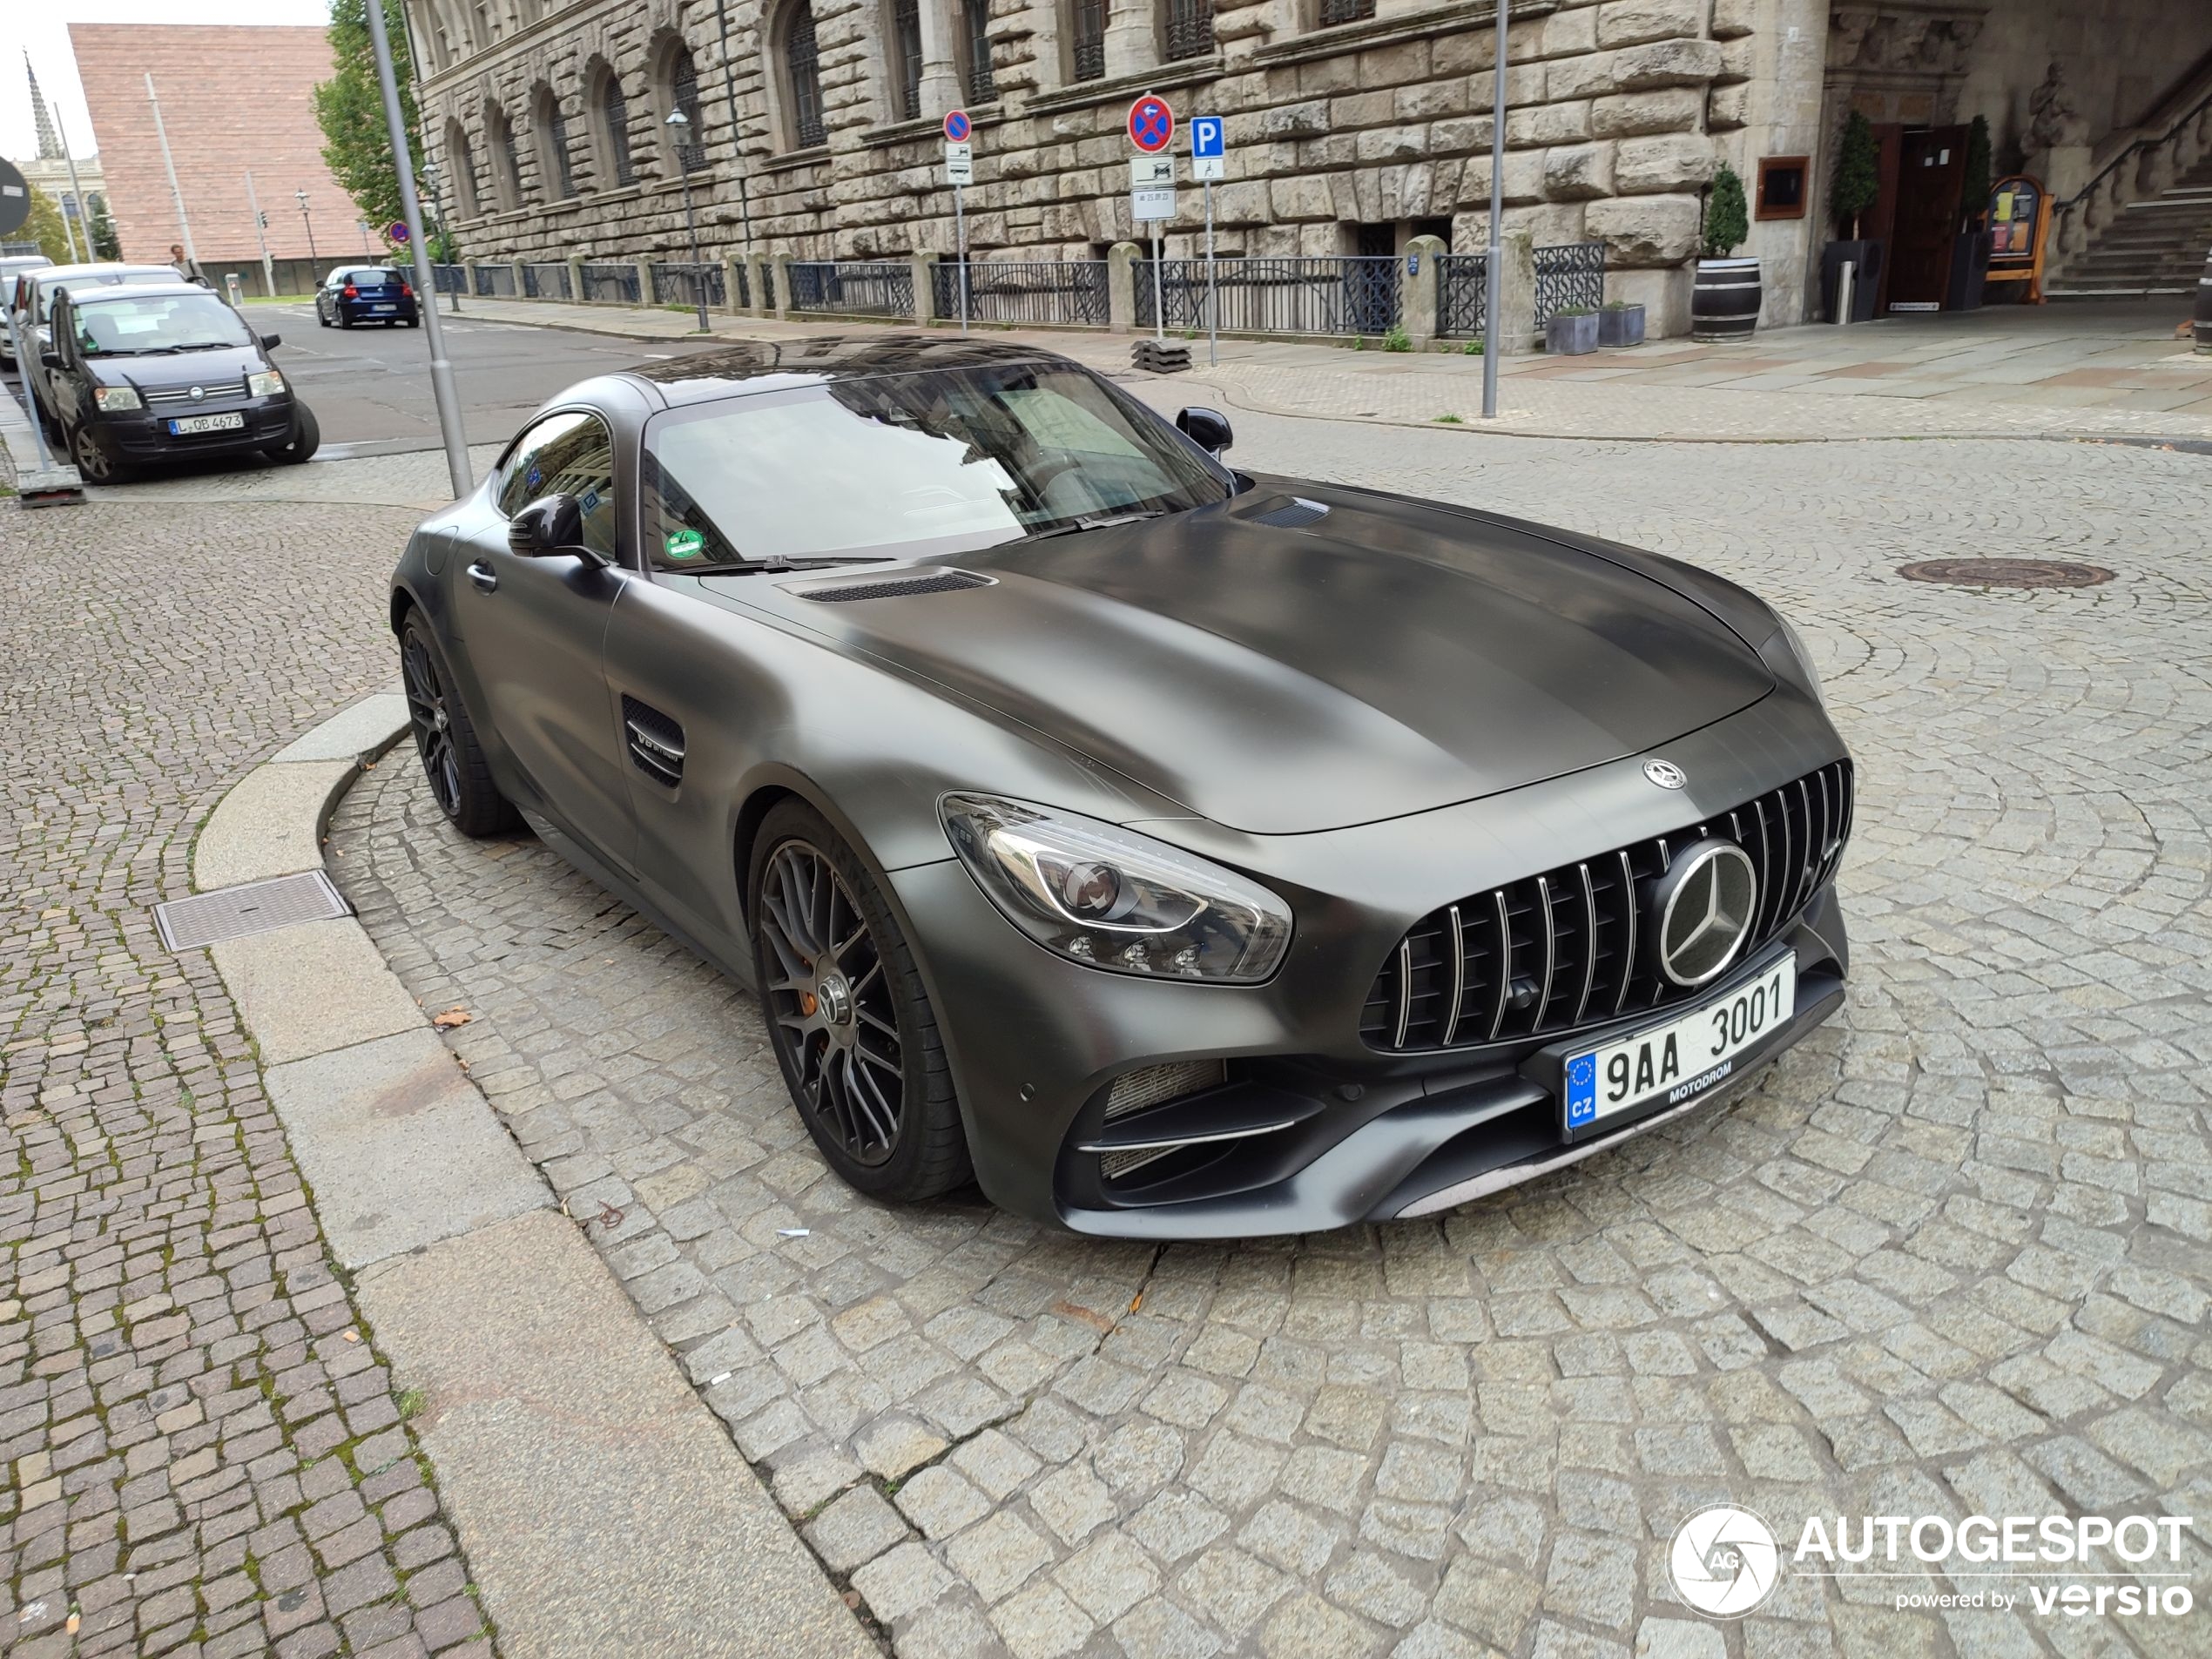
(1176, 852)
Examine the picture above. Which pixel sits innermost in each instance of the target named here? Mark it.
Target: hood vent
(1293, 513)
(892, 587)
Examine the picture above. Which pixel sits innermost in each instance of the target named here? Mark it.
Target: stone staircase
(2154, 246)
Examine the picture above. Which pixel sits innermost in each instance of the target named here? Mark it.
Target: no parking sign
(1151, 124)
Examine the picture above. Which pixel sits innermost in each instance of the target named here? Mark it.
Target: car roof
(69, 272)
(757, 364)
(24, 262)
(141, 291)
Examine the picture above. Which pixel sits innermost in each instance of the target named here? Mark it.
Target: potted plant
(1571, 331)
(1725, 298)
(1970, 257)
(1620, 323)
(1853, 187)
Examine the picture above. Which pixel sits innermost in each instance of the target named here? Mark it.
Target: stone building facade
(1353, 124)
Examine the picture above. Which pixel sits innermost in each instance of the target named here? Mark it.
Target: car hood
(219, 371)
(1387, 658)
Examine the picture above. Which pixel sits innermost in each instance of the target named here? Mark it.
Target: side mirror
(270, 343)
(1208, 428)
(51, 358)
(551, 524)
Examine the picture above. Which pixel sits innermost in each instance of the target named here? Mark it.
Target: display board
(2020, 218)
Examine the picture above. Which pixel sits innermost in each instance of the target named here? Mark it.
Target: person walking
(187, 268)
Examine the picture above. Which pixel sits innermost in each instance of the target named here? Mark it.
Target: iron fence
(617, 283)
(1462, 290)
(495, 281)
(679, 282)
(852, 287)
(450, 279)
(546, 279)
(1571, 274)
(1068, 292)
(1326, 295)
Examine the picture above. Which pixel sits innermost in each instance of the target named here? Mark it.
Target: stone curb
(602, 1506)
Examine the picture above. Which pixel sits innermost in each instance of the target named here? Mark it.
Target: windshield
(92, 284)
(916, 465)
(126, 327)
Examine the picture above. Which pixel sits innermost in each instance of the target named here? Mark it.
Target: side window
(572, 454)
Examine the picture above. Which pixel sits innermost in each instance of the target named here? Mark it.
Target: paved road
(1953, 1255)
(371, 385)
(203, 1455)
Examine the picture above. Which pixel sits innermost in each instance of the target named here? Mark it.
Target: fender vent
(655, 742)
(895, 587)
(1291, 515)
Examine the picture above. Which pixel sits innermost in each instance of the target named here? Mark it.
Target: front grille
(1545, 955)
(1133, 1091)
(211, 392)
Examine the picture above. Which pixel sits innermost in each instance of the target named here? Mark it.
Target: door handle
(484, 576)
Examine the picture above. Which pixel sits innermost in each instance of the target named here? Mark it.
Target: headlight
(267, 383)
(1793, 644)
(116, 397)
(1111, 899)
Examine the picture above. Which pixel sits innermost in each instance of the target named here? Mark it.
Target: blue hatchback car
(355, 293)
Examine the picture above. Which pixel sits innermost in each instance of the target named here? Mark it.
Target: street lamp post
(301, 197)
(679, 125)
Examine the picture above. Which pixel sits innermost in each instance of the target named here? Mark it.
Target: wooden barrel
(2204, 308)
(1724, 303)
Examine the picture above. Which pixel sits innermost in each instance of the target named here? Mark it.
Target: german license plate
(184, 425)
(384, 308)
(1666, 1065)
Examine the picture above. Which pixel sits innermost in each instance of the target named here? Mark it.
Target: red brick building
(232, 97)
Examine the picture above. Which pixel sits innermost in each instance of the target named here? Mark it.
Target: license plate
(185, 424)
(384, 308)
(1667, 1065)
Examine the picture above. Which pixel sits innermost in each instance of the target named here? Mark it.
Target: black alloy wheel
(851, 1024)
(459, 774)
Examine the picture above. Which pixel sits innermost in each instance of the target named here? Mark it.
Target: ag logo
(1724, 1561)
(1665, 774)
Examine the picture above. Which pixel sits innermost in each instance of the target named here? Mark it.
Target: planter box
(1571, 336)
(1969, 271)
(1866, 285)
(1621, 326)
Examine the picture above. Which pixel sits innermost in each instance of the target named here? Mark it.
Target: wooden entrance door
(1931, 167)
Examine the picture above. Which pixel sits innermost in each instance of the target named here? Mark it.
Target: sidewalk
(2085, 370)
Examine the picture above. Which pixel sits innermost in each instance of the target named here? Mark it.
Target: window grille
(976, 17)
(556, 144)
(1190, 28)
(1336, 12)
(802, 61)
(684, 92)
(1090, 40)
(616, 109)
(906, 55)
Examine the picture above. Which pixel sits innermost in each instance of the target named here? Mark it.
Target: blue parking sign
(1208, 137)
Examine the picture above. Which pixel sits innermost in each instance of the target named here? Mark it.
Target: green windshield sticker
(684, 544)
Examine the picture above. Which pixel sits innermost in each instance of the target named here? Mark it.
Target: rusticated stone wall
(1618, 111)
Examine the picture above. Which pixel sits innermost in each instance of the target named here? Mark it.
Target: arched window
(802, 75)
(554, 170)
(975, 52)
(1186, 28)
(461, 168)
(676, 81)
(610, 110)
(904, 33)
(506, 168)
(1086, 40)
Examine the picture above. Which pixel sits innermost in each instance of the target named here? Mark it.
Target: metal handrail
(2120, 160)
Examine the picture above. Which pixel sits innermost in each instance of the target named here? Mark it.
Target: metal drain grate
(255, 907)
(2006, 573)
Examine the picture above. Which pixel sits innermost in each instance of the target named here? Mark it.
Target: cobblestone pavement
(203, 1455)
(1952, 1255)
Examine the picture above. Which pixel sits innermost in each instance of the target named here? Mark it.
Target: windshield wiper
(747, 566)
(1103, 521)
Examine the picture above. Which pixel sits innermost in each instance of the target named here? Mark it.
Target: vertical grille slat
(1462, 961)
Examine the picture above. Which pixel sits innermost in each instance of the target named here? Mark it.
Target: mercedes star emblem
(1665, 774)
(1706, 901)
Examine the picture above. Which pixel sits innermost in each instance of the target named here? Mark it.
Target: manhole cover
(2006, 573)
(255, 907)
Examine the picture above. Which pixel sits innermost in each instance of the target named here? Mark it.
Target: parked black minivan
(167, 372)
(355, 293)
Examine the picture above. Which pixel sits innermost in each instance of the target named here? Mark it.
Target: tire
(445, 738)
(415, 322)
(838, 1065)
(94, 457)
(322, 322)
(307, 438)
(344, 320)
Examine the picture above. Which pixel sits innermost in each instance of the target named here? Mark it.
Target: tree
(1728, 217)
(349, 107)
(106, 245)
(1858, 178)
(44, 228)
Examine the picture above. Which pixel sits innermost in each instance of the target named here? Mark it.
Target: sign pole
(1213, 319)
(1159, 310)
(456, 445)
(959, 233)
(1493, 265)
(268, 266)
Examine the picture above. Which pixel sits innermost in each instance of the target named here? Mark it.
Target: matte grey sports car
(1181, 853)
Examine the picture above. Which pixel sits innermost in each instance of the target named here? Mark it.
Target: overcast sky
(41, 27)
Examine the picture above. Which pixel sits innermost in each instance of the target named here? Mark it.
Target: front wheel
(846, 1014)
(453, 760)
(307, 438)
(94, 455)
